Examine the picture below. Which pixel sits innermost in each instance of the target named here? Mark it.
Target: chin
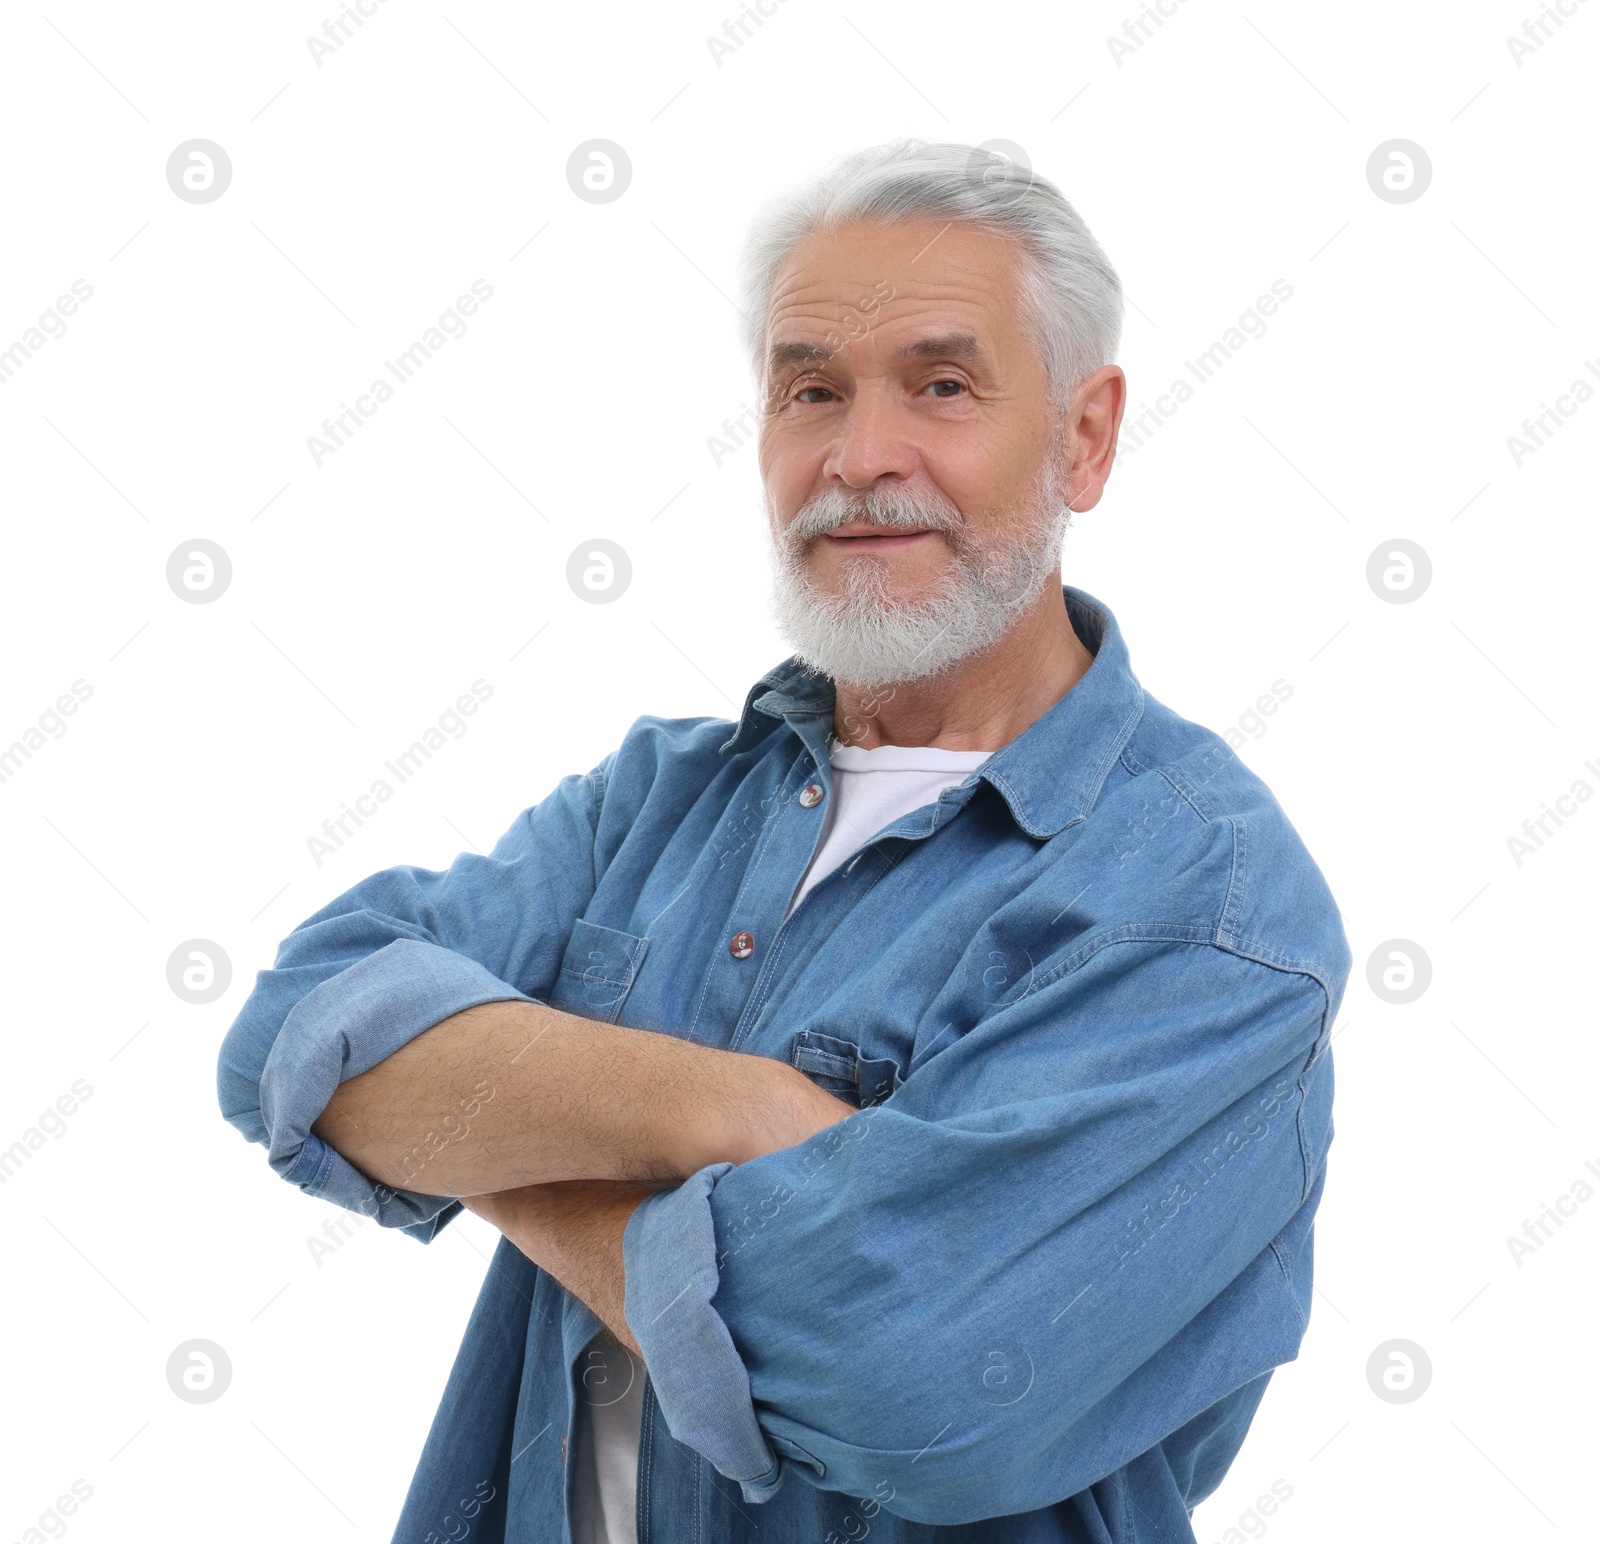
(870, 580)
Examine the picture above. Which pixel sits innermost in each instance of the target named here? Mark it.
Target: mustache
(892, 508)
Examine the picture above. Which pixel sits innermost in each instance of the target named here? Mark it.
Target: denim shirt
(1034, 1287)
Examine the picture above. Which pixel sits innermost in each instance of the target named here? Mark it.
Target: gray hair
(1070, 294)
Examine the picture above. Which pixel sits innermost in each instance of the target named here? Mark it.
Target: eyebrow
(785, 356)
(949, 345)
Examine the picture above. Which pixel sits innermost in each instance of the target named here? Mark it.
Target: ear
(1092, 423)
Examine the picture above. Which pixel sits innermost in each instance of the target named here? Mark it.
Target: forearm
(574, 1231)
(510, 1094)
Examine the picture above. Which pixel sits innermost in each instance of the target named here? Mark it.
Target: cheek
(773, 485)
(977, 467)
(787, 471)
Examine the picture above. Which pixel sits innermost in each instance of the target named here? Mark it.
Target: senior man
(904, 1109)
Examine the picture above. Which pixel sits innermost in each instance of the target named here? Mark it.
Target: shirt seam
(1191, 791)
(1288, 1282)
(1180, 786)
(1300, 1113)
(769, 834)
(756, 1003)
(1158, 932)
(1233, 899)
(641, 1506)
(708, 980)
(1126, 730)
(759, 991)
(313, 1183)
(598, 780)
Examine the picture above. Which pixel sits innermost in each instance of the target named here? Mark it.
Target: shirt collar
(1052, 773)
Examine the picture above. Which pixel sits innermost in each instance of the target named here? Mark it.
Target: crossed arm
(554, 1127)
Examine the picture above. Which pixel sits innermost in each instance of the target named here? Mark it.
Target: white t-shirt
(605, 1443)
(871, 790)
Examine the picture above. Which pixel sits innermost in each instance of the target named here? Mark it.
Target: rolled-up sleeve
(1065, 1234)
(398, 953)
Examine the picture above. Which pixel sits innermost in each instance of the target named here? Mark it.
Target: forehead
(902, 279)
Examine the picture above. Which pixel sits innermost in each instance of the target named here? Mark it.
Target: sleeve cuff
(343, 1027)
(669, 1252)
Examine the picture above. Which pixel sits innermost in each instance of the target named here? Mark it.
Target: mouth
(860, 537)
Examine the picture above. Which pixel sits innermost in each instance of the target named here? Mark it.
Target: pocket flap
(825, 1057)
(597, 970)
(839, 1067)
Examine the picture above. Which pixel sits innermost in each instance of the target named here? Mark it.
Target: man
(905, 1110)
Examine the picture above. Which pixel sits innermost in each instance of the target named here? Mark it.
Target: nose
(869, 443)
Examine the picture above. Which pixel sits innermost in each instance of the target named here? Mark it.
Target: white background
(1228, 151)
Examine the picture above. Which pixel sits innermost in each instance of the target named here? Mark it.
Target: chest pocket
(597, 971)
(839, 1068)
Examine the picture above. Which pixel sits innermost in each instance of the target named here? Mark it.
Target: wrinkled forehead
(917, 288)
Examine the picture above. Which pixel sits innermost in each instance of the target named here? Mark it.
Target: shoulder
(673, 761)
(655, 745)
(1190, 832)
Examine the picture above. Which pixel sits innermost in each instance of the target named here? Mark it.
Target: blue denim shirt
(1033, 1289)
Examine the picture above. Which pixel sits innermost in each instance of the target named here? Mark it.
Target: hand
(573, 1229)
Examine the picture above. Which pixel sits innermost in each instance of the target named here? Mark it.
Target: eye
(934, 386)
(802, 394)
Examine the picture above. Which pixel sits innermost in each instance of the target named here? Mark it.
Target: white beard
(862, 635)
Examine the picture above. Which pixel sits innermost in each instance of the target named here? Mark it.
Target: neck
(980, 704)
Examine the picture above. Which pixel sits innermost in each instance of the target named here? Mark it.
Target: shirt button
(741, 946)
(811, 794)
